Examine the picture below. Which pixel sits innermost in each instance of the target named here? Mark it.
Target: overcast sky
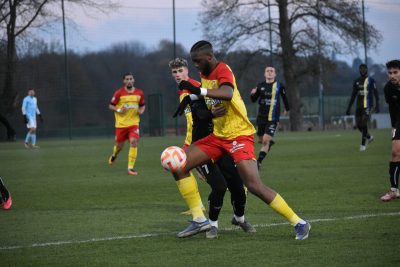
(149, 21)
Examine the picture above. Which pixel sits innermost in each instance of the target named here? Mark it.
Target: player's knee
(134, 143)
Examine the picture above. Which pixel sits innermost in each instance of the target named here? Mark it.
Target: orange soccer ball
(173, 159)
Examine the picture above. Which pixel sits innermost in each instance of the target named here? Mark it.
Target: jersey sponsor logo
(212, 101)
(236, 146)
(131, 106)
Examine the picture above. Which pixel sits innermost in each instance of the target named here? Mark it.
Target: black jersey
(269, 95)
(202, 120)
(392, 97)
(364, 88)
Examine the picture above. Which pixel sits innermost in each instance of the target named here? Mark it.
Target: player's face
(179, 74)
(31, 92)
(128, 81)
(270, 74)
(363, 71)
(394, 76)
(202, 62)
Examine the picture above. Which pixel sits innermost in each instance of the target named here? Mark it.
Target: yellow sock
(116, 151)
(279, 205)
(132, 157)
(190, 193)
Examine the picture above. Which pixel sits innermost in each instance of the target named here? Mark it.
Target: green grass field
(71, 209)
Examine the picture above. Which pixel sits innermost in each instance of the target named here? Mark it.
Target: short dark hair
(177, 63)
(393, 64)
(363, 65)
(127, 74)
(202, 46)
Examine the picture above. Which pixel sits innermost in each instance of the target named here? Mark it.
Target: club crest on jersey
(236, 146)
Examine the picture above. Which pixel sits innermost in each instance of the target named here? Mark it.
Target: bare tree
(17, 17)
(234, 24)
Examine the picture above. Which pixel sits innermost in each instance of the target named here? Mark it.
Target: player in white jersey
(29, 110)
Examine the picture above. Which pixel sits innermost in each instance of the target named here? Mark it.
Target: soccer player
(233, 135)
(128, 104)
(219, 177)
(29, 111)
(363, 88)
(392, 97)
(5, 196)
(269, 94)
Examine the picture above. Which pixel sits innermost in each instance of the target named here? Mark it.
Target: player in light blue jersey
(29, 110)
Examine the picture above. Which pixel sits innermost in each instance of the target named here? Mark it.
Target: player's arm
(254, 94)
(25, 118)
(353, 96)
(376, 97)
(141, 109)
(114, 108)
(285, 100)
(224, 92)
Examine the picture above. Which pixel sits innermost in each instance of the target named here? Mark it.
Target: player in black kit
(364, 88)
(268, 94)
(392, 97)
(221, 175)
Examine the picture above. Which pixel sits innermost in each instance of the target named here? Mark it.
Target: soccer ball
(173, 159)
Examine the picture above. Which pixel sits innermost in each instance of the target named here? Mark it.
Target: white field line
(59, 243)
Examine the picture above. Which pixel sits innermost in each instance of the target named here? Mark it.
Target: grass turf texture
(72, 209)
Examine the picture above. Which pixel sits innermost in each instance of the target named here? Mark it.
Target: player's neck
(270, 80)
(130, 90)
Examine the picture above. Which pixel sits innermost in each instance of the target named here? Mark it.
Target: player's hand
(121, 110)
(218, 110)
(377, 109)
(25, 119)
(182, 106)
(286, 113)
(185, 85)
(40, 118)
(253, 91)
(347, 112)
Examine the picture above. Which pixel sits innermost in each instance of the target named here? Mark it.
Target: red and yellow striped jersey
(235, 122)
(131, 101)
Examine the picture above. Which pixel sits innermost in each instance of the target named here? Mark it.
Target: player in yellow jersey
(233, 135)
(128, 104)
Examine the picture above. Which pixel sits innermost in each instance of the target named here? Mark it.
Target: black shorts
(267, 128)
(396, 133)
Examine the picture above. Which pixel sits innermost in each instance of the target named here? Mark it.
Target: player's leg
(132, 154)
(394, 168)
(120, 137)
(270, 129)
(260, 132)
(187, 186)
(364, 130)
(247, 168)
(5, 200)
(33, 138)
(238, 193)
(217, 182)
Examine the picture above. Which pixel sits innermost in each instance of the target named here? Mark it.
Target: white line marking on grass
(60, 243)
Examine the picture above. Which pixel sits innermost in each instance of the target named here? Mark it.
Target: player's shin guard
(394, 172)
(132, 157)
(190, 193)
(279, 205)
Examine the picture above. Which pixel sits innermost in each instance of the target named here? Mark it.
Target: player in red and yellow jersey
(128, 104)
(233, 134)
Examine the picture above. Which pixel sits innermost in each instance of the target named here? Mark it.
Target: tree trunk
(288, 58)
(9, 94)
